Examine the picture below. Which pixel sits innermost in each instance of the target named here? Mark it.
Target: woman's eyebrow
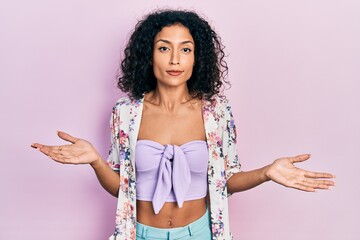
(167, 41)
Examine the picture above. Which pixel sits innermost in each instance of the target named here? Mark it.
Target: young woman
(173, 159)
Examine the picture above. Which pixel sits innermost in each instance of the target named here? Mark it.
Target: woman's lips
(174, 72)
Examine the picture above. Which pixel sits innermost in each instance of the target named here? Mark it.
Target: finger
(61, 149)
(300, 158)
(57, 153)
(47, 150)
(37, 145)
(304, 187)
(318, 175)
(318, 184)
(58, 157)
(67, 137)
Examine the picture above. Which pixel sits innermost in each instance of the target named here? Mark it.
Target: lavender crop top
(171, 173)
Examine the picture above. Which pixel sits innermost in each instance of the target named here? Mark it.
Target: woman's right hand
(78, 152)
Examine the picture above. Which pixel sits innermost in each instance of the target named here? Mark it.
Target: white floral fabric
(223, 162)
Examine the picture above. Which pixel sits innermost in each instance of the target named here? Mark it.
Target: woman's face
(173, 55)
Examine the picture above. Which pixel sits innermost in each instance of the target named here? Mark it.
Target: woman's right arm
(82, 152)
(107, 177)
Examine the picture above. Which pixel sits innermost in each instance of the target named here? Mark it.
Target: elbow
(234, 183)
(114, 190)
(230, 185)
(116, 193)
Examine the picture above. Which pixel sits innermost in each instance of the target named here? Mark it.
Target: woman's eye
(186, 50)
(163, 49)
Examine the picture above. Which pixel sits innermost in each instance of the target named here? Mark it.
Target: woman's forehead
(174, 34)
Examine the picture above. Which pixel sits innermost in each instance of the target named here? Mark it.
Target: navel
(169, 222)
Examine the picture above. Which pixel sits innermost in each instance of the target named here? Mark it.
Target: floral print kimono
(223, 162)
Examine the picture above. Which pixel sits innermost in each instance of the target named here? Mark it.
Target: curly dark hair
(210, 67)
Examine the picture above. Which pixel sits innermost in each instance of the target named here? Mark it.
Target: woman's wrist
(265, 173)
(97, 163)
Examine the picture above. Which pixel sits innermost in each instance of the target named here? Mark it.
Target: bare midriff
(170, 215)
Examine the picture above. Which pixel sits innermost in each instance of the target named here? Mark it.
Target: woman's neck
(169, 99)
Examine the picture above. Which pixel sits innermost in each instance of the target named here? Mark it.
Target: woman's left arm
(284, 172)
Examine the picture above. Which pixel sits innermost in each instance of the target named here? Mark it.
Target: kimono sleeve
(232, 164)
(113, 159)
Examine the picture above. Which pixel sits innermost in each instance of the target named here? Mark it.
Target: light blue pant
(198, 230)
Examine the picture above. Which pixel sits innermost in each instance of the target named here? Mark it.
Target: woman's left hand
(285, 173)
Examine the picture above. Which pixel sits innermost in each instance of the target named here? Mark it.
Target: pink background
(295, 71)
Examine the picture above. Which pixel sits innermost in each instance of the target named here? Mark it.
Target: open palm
(78, 152)
(284, 172)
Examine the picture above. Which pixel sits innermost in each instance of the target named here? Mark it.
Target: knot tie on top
(174, 173)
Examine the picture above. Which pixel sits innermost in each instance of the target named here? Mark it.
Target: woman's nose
(174, 60)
